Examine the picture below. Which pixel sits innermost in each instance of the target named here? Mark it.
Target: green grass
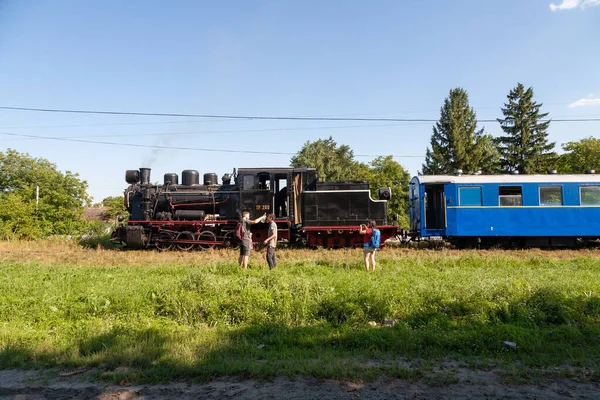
(198, 316)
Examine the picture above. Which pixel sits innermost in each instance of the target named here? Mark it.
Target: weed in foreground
(196, 316)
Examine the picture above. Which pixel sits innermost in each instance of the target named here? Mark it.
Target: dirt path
(29, 385)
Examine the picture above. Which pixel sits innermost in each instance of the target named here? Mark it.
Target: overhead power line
(189, 121)
(182, 148)
(178, 115)
(195, 121)
(235, 131)
(258, 117)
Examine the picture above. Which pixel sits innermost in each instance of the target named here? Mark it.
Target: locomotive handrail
(199, 204)
(183, 222)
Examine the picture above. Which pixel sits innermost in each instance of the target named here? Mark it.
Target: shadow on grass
(549, 328)
(125, 347)
(119, 346)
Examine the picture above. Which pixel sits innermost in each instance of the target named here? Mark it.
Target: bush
(37, 200)
(97, 234)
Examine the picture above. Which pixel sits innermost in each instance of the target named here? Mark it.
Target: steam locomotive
(193, 215)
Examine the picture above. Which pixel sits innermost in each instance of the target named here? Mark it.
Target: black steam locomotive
(190, 214)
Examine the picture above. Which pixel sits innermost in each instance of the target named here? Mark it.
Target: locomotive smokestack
(145, 176)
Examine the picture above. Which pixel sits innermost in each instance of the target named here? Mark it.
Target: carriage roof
(482, 179)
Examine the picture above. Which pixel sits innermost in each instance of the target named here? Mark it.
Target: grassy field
(196, 315)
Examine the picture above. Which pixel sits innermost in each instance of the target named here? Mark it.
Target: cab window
(264, 181)
(248, 182)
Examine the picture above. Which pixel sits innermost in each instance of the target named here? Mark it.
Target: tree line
(37, 200)
(457, 143)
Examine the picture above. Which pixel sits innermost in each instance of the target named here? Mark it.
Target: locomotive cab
(275, 190)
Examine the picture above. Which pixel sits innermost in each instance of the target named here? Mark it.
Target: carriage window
(590, 195)
(551, 196)
(469, 196)
(510, 196)
(248, 182)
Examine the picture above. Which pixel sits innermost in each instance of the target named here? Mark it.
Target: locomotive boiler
(193, 214)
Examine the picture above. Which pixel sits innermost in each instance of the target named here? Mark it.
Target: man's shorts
(369, 249)
(245, 249)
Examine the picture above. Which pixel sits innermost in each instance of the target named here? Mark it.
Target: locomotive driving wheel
(206, 236)
(185, 235)
(230, 241)
(164, 241)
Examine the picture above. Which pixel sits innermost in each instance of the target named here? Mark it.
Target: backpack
(238, 231)
(375, 239)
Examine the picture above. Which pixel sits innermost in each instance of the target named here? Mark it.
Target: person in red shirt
(368, 250)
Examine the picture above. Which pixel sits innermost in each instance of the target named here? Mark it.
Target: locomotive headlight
(384, 193)
(120, 218)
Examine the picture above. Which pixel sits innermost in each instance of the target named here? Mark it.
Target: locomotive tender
(191, 214)
(515, 210)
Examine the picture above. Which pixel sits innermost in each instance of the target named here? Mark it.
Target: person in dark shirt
(246, 245)
(280, 202)
(271, 241)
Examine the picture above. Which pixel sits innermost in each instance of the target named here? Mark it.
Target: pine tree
(490, 156)
(524, 147)
(456, 143)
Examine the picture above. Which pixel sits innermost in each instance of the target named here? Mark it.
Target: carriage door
(414, 209)
(435, 209)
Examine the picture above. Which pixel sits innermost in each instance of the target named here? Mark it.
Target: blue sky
(379, 59)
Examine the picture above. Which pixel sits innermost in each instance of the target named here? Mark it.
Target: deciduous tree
(580, 156)
(59, 208)
(385, 172)
(116, 207)
(333, 162)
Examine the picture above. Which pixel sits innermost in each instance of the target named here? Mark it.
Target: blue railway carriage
(515, 210)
